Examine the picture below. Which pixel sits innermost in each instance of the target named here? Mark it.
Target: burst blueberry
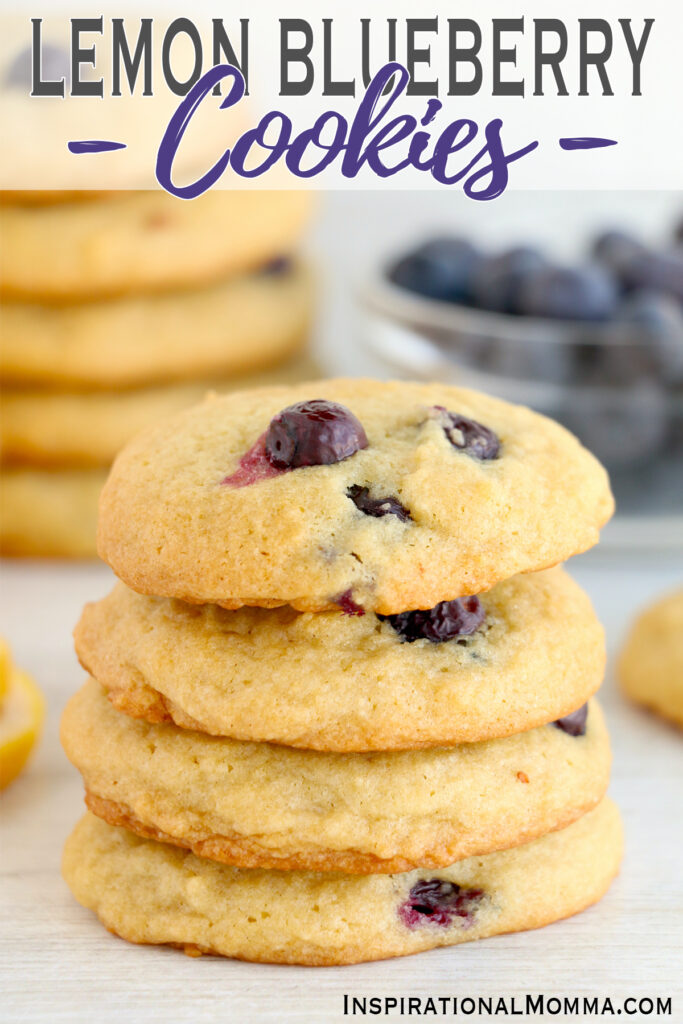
(575, 723)
(437, 901)
(446, 621)
(313, 433)
(467, 435)
(377, 507)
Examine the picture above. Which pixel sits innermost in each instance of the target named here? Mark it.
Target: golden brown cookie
(142, 241)
(49, 514)
(357, 813)
(154, 893)
(334, 682)
(236, 325)
(61, 429)
(437, 492)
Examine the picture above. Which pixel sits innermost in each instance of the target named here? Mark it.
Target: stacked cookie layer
(339, 707)
(118, 309)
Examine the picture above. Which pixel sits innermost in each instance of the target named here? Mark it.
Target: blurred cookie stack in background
(117, 308)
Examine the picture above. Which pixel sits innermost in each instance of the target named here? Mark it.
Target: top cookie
(438, 492)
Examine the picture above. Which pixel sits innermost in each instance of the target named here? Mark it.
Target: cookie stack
(118, 309)
(304, 740)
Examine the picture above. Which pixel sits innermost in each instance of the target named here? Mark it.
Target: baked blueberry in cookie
(439, 902)
(348, 605)
(278, 266)
(467, 435)
(447, 620)
(575, 723)
(377, 507)
(313, 433)
(492, 490)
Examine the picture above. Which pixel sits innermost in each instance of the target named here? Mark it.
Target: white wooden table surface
(58, 964)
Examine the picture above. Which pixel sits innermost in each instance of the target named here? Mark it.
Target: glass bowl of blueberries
(597, 345)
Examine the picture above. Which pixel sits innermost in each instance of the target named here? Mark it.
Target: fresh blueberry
(497, 279)
(446, 621)
(437, 901)
(313, 433)
(658, 319)
(467, 435)
(575, 723)
(569, 293)
(441, 269)
(55, 64)
(616, 249)
(658, 271)
(377, 507)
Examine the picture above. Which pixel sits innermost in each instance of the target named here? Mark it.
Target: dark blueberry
(497, 279)
(277, 267)
(55, 64)
(348, 605)
(377, 507)
(658, 271)
(467, 435)
(445, 621)
(439, 902)
(616, 249)
(439, 269)
(574, 724)
(314, 433)
(569, 293)
(658, 319)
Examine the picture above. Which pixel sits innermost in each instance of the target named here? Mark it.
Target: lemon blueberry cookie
(233, 326)
(361, 494)
(361, 813)
(651, 662)
(525, 653)
(142, 241)
(149, 892)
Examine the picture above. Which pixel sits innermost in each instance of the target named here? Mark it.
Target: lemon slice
(21, 720)
(5, 668)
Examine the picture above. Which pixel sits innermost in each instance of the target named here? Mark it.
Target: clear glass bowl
(610, 384)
